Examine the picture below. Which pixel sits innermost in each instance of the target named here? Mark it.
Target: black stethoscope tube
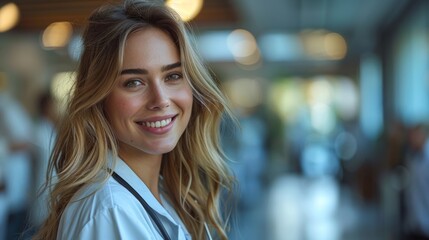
(148, 209)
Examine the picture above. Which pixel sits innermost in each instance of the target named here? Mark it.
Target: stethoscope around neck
(149, 210)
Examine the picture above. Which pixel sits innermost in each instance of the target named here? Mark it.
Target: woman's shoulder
(96, 200)
(104, 211)
(96, 197)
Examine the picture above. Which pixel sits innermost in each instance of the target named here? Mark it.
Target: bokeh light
(57, 35)
(243, 47)
(187, 9)
(9, 17)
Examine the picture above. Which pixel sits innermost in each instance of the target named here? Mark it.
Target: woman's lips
(158, 126)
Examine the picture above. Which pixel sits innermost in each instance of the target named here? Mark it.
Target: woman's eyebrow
(171, 66)
(142, 71)
(134, 71)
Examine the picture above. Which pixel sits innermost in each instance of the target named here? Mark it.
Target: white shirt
(112, 212)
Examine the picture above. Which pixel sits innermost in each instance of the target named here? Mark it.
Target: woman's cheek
(128, 106)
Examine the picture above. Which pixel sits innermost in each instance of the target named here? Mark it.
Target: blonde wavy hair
(194, 173)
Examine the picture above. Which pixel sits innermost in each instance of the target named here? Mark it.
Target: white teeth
(158, 124)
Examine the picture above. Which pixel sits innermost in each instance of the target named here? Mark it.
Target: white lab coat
(112, 212)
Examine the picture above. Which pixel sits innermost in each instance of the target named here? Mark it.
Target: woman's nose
(159, 98)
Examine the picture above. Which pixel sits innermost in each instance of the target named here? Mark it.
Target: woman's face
(151, 103)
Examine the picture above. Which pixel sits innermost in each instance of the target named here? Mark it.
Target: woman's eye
(174, 76)
(132, 83)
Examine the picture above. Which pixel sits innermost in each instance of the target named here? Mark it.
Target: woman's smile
(158, 125)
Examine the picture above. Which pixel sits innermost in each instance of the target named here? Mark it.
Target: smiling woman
(137, 156)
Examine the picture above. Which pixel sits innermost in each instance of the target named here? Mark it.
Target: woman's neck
(147, 168)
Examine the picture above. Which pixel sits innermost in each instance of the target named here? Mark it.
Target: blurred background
(331, 95)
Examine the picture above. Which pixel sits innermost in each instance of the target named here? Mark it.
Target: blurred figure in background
(16, 128)
(247, 148)
(249, 158)
(417, 189)
(45, 134)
